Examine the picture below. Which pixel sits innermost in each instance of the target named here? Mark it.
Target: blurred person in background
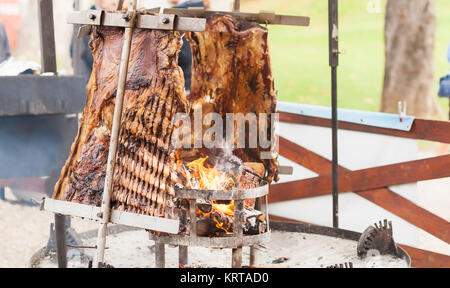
(185, 58)
(85, 61)
(5, 51)
(444, 91)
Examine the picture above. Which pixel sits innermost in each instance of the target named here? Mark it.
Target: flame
(198, 174)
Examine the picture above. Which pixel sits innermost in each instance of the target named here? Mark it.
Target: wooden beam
(410, 212)
(304, 157)
(383, 197)
(422, 129)
(426, 259)
(371, 178)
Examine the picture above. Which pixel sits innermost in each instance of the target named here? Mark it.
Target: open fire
(202, 174)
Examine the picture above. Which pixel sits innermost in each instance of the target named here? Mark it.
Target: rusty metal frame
(160, 22)
(214, 242)
(236, 241)
(117, 217)
(263, 17)
(234, 194)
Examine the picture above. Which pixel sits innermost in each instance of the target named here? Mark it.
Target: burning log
(216, 218)
(214, 222)
(250, 177)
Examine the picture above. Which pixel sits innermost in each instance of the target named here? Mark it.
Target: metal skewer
(106, 207)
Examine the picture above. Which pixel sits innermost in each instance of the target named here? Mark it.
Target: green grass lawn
(300, 55)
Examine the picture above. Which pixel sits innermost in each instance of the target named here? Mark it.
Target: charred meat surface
(232, 74)
(154, 93)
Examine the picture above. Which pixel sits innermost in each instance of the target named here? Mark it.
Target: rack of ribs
(154, 93)
(232, 74)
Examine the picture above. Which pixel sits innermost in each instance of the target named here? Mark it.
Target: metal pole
(237, 5)
(48, 63)
(160, 255)
(334, 62)
(106, 209)
(76, 45)
(253, 250)
(60, 237)
(238, 232)
(183, 255)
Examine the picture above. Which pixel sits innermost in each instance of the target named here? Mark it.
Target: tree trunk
(409, 36)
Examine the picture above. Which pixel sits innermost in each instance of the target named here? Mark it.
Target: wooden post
(106, 201)
(48, 64)
(119, 5)
(47, 34)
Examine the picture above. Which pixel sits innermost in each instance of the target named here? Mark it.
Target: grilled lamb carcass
(154, 93)
(232, 73)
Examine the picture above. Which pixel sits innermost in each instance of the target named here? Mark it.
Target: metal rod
(60, 236)
(238, 232)
(237, 5)
(236, 258)
(267, 17)
(193, 218)
(334, 62)
(267, 214)
(253, 250)
(160, 255)
(77, 45)
(183, 255)
(106, 200)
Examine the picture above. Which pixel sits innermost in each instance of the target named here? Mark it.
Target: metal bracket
(142, 21)
(94, 17)
(266, 16)
(166, 21)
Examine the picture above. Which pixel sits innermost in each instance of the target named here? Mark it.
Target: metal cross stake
(106, 201)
